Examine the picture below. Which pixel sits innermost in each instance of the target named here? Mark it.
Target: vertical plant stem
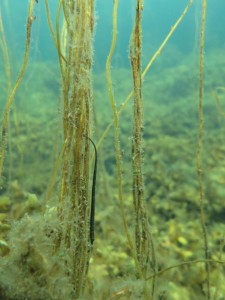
(30, 20)
(150, 63)
(199, 150)
(75, 58)
(116, 133)
(143, 237)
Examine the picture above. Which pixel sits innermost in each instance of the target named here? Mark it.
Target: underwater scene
(112, 149)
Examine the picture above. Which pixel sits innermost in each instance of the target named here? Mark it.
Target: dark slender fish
(92, 213)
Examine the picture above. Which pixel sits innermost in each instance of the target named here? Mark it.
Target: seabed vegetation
(142, 217)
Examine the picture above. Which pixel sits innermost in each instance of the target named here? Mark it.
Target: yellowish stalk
(152, 60)
(190, 262)
(30, 20)
(116, 127)
(199, 150)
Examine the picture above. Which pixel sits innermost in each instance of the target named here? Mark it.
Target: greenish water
(171, 121)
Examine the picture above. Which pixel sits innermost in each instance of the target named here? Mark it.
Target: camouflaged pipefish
(92, 213)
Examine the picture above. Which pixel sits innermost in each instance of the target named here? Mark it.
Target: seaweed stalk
(30, 20)
(116, 135)
(73, 235)
(199, 149)
(143, 237)
(150, 63)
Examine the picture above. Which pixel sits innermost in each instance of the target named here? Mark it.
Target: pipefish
(92, 212)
